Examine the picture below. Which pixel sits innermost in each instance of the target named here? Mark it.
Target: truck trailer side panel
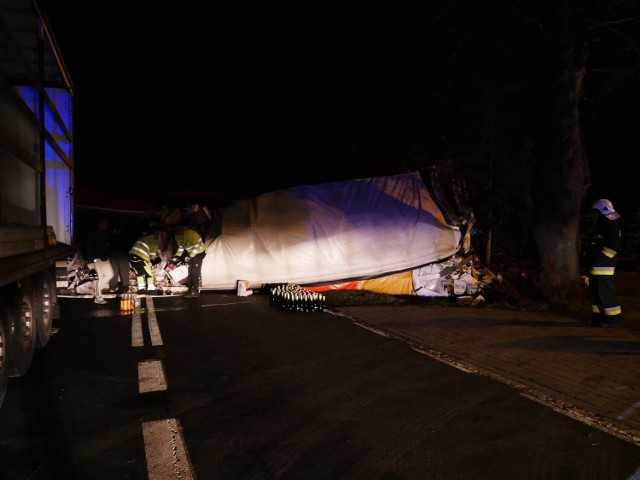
(36, 182)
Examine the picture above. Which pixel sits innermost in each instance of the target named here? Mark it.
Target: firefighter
(190, 249)
(602, 255)
(143, 254)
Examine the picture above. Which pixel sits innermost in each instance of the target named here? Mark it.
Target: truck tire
(22, 333)
(4, 358)
(45, 302)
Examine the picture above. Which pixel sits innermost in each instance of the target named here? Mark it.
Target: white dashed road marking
(136, 330)
(154, 330)
(166, 455)
(151, 376)
(164, 447)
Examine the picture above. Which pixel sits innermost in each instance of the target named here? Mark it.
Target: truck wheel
(4, 367)
(45, 299)
(22, 336)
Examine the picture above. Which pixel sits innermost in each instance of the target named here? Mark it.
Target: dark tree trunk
(564, 172)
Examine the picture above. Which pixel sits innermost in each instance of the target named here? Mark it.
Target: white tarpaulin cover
(331, 232)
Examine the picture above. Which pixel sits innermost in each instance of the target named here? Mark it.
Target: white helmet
(605, 207)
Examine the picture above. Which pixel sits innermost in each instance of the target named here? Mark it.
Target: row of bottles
(129, 302)
(294, 298)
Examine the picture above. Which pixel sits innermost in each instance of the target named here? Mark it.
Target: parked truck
(36, 182)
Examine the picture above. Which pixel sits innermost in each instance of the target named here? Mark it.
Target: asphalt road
(228, 387)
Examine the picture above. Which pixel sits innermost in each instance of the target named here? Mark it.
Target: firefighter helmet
(605, 207)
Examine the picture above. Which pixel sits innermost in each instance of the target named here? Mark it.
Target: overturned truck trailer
(328, 233)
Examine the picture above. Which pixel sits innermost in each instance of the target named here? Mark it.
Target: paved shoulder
(588, 373)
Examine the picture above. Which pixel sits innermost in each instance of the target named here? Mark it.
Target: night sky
(232, 99)
(187, 99)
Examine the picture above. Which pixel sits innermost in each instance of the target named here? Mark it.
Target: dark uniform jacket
(604, 247)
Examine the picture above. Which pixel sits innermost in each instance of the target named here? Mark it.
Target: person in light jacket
(96, 253)
(191, 250)
(144, 253)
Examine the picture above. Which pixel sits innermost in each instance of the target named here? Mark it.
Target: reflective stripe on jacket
(188, 241)
(146, 247)
(604, 247)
